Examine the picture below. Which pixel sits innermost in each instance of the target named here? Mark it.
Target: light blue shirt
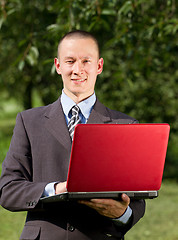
(86, 107)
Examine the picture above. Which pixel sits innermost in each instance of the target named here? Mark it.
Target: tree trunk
(27, 99)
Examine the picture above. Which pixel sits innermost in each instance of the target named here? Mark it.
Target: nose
(77, 67)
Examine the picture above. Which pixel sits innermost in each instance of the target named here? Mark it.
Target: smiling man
(79, 64)
(37, 162)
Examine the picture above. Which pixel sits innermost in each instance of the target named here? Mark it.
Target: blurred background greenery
(139, 43)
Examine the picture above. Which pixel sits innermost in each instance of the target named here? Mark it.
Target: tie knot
(75, 110)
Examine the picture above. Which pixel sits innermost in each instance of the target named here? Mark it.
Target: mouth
(79, 80)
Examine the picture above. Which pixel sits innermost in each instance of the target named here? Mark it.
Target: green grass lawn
(161, 217)
(159, 223)
(11, 224)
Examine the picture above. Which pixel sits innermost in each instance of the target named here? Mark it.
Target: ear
(57, 65)
(100, 65)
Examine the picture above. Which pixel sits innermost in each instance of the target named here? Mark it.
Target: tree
(27, 49)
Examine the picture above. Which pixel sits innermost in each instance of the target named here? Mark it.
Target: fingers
(96, 203)
(109, 207)
(60, 187)
(89, 204)
(125, 199)
(100, 202)
(102, 206)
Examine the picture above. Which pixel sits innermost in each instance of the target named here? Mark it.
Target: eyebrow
(69, 57)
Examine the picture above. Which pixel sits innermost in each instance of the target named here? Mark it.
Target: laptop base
(113, 195)
(103, 195)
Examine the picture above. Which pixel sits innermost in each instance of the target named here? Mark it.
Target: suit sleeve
(18, 192)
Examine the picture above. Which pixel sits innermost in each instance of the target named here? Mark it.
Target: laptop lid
(117, 158)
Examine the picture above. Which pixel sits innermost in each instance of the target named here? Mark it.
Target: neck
(77, 98)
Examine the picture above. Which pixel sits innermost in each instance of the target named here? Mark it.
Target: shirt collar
(85, 106)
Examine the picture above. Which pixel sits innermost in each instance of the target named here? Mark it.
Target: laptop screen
(117, 157)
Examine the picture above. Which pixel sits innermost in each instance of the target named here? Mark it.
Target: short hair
(80, 34)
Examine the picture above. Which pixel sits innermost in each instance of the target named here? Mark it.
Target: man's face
(79, 65)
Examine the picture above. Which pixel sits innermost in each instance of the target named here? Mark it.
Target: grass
(161, 217)
(11, 224)
(159, 223)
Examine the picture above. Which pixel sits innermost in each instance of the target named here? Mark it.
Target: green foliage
(138, 40)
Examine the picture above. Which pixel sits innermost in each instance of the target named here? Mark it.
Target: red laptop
(110, 159)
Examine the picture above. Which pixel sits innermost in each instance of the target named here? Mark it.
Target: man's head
(79, 64)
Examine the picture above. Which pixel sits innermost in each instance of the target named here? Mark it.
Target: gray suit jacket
(39, 153)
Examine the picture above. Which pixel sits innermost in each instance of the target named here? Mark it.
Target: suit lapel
(99, 114)
(56, 124)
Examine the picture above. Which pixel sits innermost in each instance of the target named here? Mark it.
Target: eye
(70, 61)
(86, 61)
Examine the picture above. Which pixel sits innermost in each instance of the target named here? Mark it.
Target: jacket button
(108, 235)
(71, 228)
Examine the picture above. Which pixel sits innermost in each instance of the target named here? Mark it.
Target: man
(37, 162)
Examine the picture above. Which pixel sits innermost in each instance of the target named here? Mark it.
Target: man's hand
(60, 187)
(108, 207)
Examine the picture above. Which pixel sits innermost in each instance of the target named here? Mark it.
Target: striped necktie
(74, 120)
